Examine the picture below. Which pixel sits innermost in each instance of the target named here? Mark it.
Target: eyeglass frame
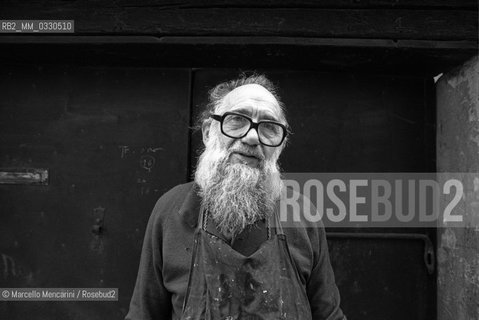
(252, 125)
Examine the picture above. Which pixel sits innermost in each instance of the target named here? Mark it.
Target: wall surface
(458, 151)
(115, 138)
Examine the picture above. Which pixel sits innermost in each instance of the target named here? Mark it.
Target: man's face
(239, 178)
(257, 103)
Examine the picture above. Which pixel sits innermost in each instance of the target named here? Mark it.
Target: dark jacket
(166, 257)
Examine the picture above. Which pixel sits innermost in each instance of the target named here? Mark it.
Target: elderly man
(215, 248)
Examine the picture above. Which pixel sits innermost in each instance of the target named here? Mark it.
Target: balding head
(219, 92)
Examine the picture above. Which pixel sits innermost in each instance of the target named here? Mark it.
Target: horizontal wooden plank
(60, 5)
(75, 39)
(335, 23)
(321, 42)
(23, 176)
(421, 57)
(309, 3)
(240, 40)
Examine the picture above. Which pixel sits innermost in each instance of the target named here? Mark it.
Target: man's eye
(237, 118)
(234, 119)
(268, 126)
(271, 128)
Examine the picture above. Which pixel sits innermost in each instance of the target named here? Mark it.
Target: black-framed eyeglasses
(237, 126)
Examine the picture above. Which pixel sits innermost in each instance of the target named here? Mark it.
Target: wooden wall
(400, 36)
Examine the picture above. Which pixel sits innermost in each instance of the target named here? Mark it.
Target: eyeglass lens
(237, 126)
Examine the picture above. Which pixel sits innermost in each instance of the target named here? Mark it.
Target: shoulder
(171, 201)
(175, 194)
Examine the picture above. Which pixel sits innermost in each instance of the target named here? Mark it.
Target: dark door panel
(357, 122)
(113, 140)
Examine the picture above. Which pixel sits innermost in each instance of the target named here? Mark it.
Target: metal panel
(382, 278)
(114, 140)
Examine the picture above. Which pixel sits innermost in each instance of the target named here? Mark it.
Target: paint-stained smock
(167, 251)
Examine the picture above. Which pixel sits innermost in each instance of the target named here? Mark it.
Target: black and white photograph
(239, 160)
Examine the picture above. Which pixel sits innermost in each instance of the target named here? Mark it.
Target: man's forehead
(250, 95)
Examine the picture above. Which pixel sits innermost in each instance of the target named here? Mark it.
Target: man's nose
(251, 137)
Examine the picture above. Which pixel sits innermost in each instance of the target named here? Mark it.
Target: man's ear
(205, 130)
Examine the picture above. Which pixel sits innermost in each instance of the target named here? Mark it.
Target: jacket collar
(191, 206)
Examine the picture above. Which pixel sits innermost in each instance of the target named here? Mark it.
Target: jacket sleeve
(321, 288)
(150, 298)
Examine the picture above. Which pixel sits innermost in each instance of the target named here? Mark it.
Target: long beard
(236, 195)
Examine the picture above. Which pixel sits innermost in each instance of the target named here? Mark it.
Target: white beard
(236, 195)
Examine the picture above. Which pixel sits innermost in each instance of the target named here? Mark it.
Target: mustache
(247, 151)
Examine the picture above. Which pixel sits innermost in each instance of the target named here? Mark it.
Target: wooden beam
(241, 40)
(348, 4)
(59, 5)
(381, 55)
(321, 42)
(76, 39)
(396, 24)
